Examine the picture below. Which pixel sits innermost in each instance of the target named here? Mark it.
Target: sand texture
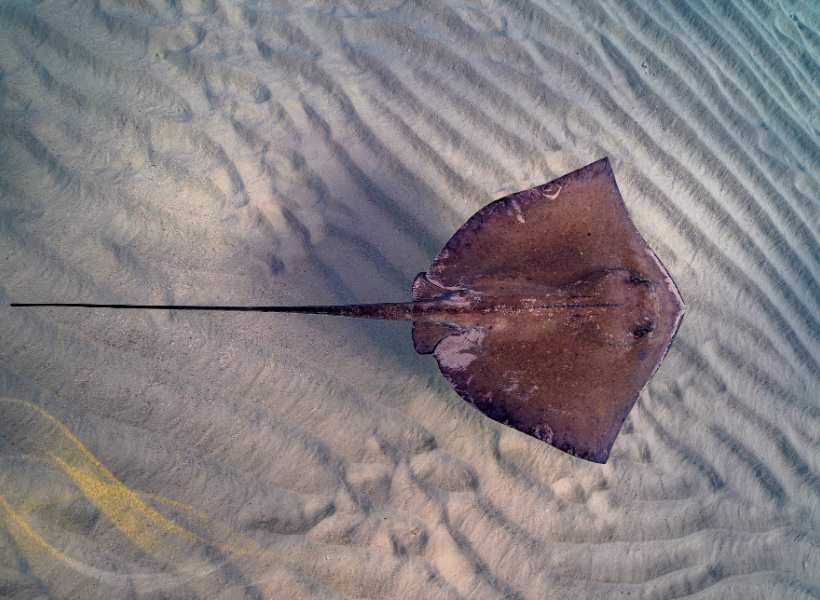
(209, 151)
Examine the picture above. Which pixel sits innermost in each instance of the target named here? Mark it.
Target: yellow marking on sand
(43, 557)
(143, 525)
(183, 506)
(140, 523)
(131, 512)
(25, 536)
(38, 434)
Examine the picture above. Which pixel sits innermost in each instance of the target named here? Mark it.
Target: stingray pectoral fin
(567, 374)
(551, 234)
(428, 334)
(556, 380)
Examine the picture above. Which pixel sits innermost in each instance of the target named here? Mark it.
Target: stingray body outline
(546, 310)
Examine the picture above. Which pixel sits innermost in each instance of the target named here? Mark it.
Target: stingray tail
(392, 311)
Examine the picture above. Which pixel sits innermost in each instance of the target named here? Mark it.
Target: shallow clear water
(318, 152)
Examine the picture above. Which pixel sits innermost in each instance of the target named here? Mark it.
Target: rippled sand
(315, 152)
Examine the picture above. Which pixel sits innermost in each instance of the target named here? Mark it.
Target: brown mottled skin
(565, 365)
(547, 311)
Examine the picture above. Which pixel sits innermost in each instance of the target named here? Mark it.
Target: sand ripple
(209, 151)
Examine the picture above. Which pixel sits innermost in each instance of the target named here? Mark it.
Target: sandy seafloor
(322, 152)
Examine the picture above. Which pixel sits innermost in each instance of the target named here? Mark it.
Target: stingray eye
(642, 329)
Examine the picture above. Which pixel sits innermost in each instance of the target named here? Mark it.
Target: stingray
(546, 310)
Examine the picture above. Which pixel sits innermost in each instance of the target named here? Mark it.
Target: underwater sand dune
(316, 152)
